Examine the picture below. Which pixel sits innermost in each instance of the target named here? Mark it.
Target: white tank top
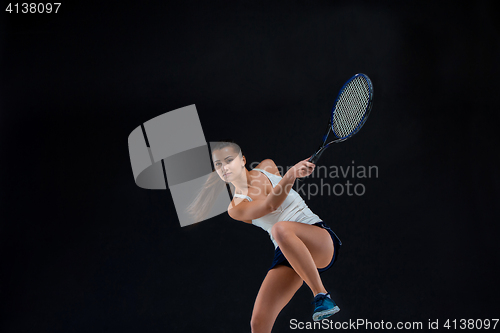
(293, 208)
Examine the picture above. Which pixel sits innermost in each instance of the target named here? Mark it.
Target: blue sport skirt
(279, 258)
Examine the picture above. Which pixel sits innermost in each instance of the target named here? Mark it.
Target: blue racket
(349, 113)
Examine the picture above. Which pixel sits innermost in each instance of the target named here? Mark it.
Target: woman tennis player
(304, 245)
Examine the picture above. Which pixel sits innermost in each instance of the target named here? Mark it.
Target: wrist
(291, 174)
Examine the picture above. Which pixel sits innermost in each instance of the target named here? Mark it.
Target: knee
(281, 231)
(257, 324)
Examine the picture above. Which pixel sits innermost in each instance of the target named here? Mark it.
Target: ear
(244, 160)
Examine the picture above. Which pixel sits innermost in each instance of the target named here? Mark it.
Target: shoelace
(318, 301)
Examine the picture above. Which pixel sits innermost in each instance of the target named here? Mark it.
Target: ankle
(325, 293)
(319, 291)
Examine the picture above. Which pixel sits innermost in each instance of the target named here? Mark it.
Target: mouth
(226, 174)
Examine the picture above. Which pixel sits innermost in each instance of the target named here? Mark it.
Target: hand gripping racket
(349, 113)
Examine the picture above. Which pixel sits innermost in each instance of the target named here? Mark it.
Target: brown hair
(204, 201)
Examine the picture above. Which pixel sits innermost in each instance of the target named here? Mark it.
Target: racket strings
(351, 107)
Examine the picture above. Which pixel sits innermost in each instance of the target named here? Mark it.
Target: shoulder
(235, 203)
(269, 166)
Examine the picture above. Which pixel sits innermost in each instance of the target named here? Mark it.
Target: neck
(242, 183)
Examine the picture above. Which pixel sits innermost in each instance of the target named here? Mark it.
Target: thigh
(277, 289)
(317, 240)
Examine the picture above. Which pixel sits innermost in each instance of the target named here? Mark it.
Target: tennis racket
(349, 113)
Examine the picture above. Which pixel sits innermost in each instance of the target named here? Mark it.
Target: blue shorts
(279, 258)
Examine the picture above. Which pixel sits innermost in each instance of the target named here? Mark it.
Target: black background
(83, 249)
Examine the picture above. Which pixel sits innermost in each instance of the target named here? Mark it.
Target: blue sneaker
(324, 307)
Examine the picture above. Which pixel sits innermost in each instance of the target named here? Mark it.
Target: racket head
(352, 107)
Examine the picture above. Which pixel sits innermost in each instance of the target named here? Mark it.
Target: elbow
(271, 204)
(270, 208)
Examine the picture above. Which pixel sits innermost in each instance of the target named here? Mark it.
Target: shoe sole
(325, 314)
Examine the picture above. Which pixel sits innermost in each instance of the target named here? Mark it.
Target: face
(228, 163)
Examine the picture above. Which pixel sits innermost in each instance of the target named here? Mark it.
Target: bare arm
(247, 211)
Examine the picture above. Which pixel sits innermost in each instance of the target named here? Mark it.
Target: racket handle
(315, 157)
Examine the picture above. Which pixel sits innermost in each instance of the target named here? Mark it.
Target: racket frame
(314, 158)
